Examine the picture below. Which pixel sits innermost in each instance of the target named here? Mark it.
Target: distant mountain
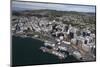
(48, 12)
(20, 9)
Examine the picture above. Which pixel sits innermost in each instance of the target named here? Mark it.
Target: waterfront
(25, 51)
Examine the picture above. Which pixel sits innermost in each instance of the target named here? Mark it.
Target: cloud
(61, 7)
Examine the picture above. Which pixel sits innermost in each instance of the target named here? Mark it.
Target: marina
(26, 52)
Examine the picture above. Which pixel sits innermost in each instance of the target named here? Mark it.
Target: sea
(26, 51)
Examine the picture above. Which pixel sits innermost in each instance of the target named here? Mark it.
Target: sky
(60, 7)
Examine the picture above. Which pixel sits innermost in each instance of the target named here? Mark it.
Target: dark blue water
(25, 51)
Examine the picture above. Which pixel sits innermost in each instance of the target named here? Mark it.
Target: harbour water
(25, 51)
